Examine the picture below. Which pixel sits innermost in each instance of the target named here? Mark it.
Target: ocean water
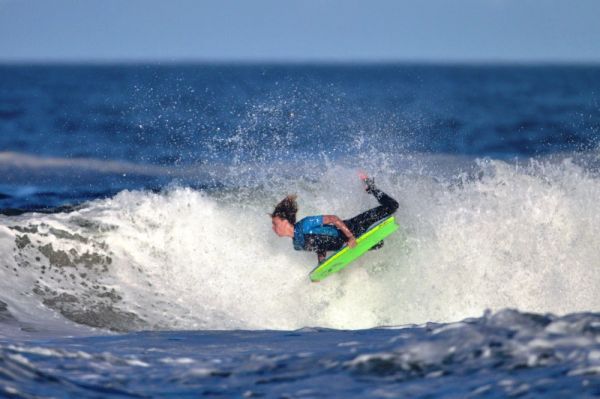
(137, 257)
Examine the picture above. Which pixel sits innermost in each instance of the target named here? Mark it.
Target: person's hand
(352, 242)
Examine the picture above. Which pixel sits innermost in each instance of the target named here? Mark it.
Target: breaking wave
(496, 235)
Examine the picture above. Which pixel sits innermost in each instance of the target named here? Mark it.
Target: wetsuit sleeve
(311, 222)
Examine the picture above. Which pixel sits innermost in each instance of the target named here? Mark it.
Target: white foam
(522, 237)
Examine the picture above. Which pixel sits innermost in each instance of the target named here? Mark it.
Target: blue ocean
(137, 257)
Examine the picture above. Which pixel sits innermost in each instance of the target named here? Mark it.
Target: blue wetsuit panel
(312, 225)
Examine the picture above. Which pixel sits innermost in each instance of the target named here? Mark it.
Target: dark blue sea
(137, 257)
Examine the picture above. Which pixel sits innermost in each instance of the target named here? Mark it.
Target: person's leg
(390, 204)
(361, 223)
(381, 197)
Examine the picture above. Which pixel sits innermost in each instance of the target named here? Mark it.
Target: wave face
(498, 235)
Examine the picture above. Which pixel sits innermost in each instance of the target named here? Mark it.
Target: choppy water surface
(507, 354)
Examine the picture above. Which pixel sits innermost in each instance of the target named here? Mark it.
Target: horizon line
(294, 62)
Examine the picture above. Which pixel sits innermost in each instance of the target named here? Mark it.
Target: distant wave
(28, 161)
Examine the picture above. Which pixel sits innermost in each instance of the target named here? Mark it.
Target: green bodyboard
(344, 256)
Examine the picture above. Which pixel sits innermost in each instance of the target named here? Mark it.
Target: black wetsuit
(310, 234)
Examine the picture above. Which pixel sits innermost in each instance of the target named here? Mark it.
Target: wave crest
(504, 235)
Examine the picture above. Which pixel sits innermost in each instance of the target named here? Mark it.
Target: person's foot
(369, 182)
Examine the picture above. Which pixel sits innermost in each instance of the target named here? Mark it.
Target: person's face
(279, 225)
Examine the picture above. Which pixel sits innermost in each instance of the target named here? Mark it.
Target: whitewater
(504, 235)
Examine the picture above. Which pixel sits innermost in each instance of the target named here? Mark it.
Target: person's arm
(337, 222)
